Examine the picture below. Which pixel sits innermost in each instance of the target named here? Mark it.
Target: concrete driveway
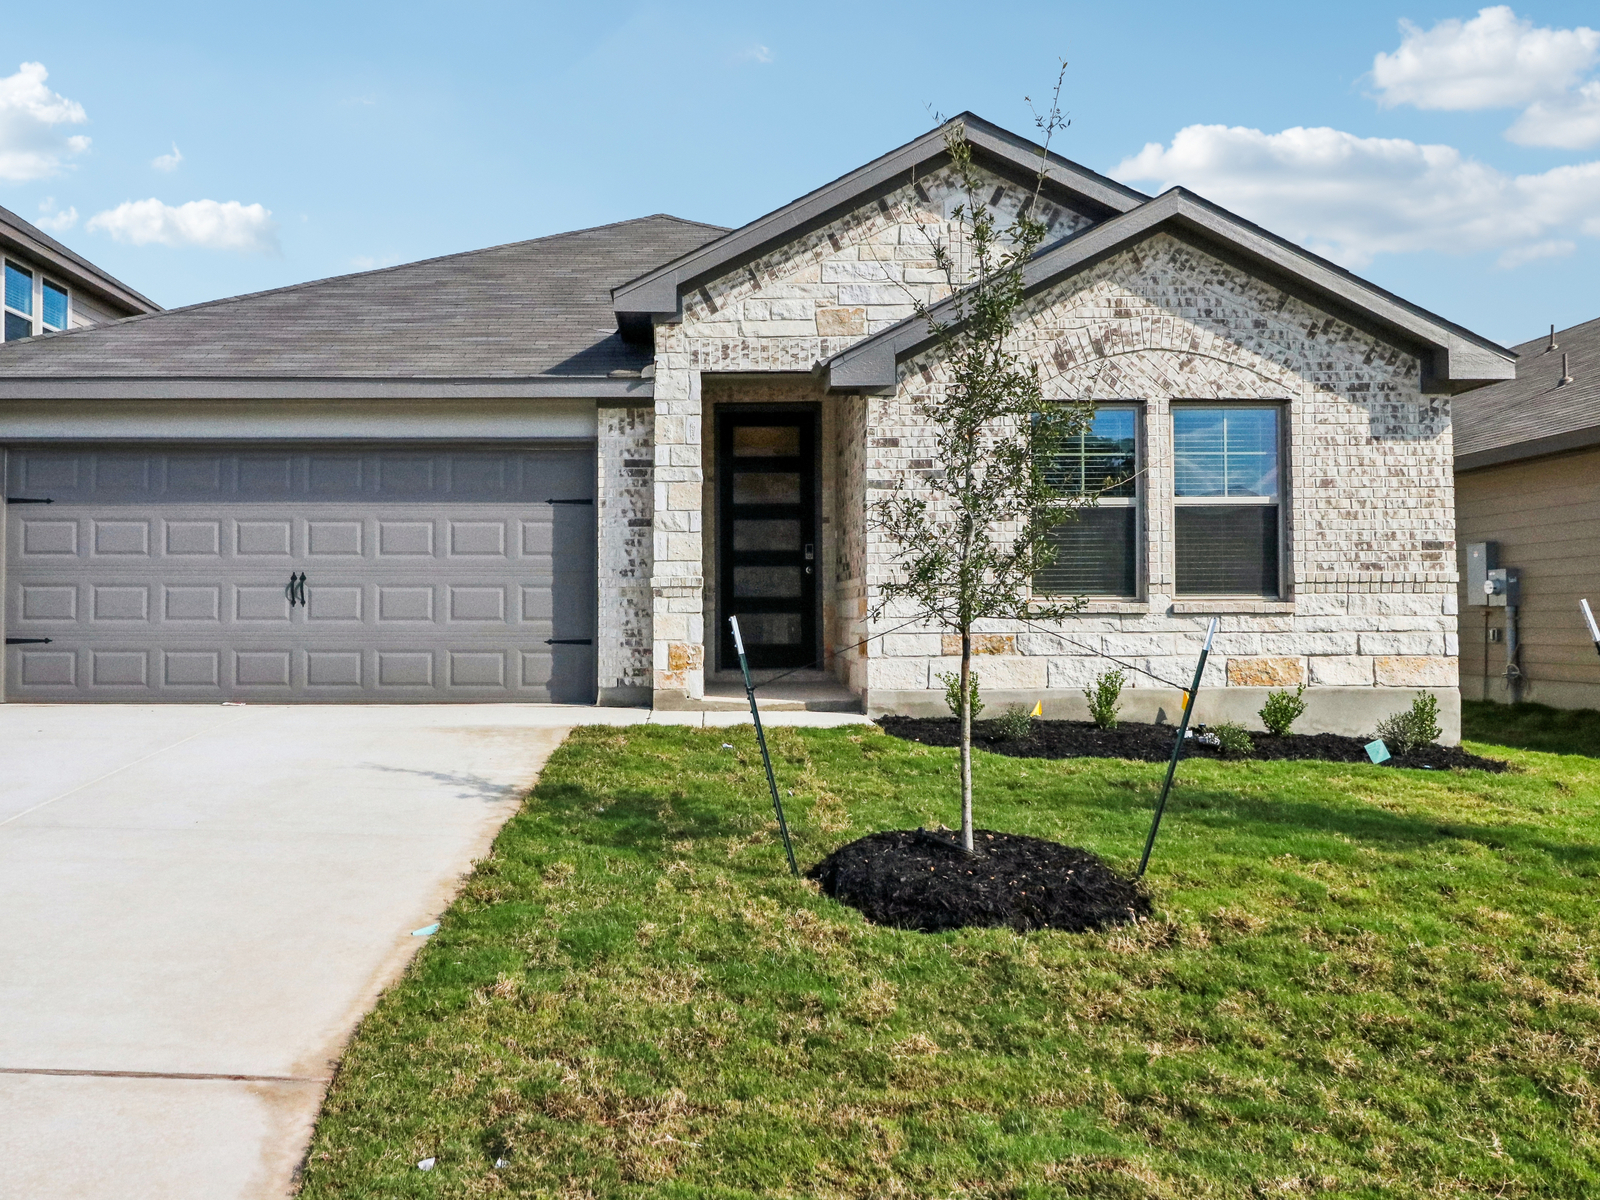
(199, 904)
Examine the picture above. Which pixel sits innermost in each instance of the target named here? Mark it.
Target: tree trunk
(966, 738)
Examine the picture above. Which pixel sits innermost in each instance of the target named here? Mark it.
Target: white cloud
(33, 144)
(1351, 198)
(756, 53)
(1568, 122)
(1495, 60)
(53, 221)
(367, 262)
(205, 223)
(168, 162)
(1519, 255)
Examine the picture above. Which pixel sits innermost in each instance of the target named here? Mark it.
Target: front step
(821, 694)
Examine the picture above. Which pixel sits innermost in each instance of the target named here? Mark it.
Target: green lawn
(1359, 982)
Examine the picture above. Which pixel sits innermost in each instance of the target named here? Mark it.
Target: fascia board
(202, 388)
(1452, 356)
(1555, 443)
(94, 281)
(658, 293)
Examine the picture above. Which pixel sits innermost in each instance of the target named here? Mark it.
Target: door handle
(300, 589)
(296, 589)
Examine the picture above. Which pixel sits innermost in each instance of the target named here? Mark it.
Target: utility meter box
(1503, 587)
(1482, 557)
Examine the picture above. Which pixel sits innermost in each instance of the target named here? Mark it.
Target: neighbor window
(19, 302)
(1225, 500)
(57, 307)
(1097, 548)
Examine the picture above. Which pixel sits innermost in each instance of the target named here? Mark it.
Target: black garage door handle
(569, 501)
(569, 641)
(27, 500)
(27, 641)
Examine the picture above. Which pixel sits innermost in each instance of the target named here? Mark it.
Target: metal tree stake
(1177, 746)
(761, 737)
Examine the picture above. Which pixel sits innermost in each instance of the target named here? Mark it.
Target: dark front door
(767, 535)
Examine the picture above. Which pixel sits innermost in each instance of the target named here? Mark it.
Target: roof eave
(1453, 358)
(104, 287)
(529, 387)
(1555, 443)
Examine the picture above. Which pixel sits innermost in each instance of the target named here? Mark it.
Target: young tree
(972, 533)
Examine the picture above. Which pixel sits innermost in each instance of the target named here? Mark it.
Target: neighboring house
(49, 289)
(446, 480)
(1528, 479)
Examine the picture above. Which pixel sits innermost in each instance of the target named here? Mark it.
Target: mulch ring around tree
(1153, 743)
(915, 879)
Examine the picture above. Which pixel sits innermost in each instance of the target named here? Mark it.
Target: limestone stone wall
(1370, 595)
(784, 312)
(624, 513)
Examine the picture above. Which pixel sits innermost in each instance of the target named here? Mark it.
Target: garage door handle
(296, 589)
(27, 641)
(569, 641)
(569, 501)
(27, 500)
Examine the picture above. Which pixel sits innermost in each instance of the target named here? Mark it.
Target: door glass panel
(769, 583)
(766, 487)
(766, 441)
(770, 629)
(766, 535)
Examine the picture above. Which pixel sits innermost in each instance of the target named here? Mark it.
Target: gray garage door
(306, 574)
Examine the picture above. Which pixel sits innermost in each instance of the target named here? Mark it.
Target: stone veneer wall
(1369, 606)
(1370, 599)
(624, 512)
(811, 299)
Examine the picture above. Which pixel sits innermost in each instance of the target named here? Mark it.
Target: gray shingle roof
(77, 270)
(540, 307)
(1534, 413)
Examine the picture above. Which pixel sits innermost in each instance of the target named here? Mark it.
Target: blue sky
(234, 148)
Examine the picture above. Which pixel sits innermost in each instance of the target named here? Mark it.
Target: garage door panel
(429, 574)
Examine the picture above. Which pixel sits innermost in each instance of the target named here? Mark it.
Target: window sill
(1222, 606)
(1094, 607)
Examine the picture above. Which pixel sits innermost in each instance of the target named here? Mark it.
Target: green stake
(761, 737)
(1177, 747)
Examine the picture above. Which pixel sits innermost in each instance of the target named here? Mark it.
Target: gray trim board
(657, 294)
(1454, 358)
(536, 387)
(24, 238)
(1556, 443)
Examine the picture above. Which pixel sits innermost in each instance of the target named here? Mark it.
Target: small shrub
(1416, 726)
(1103, 697)
(1282, 710)
(1015, 723)
(952, 692)
(1234, 739)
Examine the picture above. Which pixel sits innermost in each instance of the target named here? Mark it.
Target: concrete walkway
(200, 903)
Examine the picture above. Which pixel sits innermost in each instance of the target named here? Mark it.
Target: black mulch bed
(1153, 743)
(914, 879)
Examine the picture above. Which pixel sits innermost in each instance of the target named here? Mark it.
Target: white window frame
(39, 304)
(37, 296)
(1135, 502)
(35, 319)
(1279, 499)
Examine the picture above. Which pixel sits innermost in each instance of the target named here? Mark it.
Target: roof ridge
(310, 283)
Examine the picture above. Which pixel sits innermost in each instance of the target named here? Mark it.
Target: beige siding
(1545, 513)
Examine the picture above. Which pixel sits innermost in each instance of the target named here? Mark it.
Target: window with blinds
(1226, 512)
(19, 302)
(1097, 548)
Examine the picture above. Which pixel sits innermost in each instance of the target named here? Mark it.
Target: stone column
(677, 581)
(627, 535)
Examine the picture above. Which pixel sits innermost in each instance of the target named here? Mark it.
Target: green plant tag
(1377, 751)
